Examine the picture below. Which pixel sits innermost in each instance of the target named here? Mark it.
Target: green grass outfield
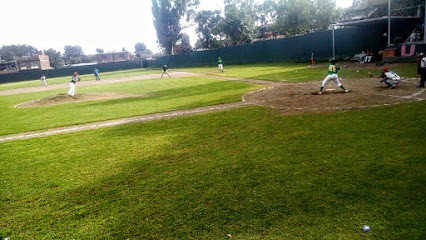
(300, 72)
(284, 71)
(248, 172)
(170, 94)
(86, 77)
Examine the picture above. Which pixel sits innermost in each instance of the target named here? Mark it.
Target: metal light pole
(424, 26)
(334, 46)
(389, 22)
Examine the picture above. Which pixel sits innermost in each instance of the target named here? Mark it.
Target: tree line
(240, 22)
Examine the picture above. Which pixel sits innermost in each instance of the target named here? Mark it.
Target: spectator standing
(421, 69)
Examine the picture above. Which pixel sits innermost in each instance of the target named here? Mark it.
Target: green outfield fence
(348, 42)
(68, 71)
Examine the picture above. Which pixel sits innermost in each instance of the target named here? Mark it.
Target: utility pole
(424, 26)
(389, 22)
(334, 44)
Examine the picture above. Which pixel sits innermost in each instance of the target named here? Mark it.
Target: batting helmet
(332, 60)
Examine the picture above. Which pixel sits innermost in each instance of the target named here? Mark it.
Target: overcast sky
(91, 24)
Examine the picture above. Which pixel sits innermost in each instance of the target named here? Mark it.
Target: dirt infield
(293, 98)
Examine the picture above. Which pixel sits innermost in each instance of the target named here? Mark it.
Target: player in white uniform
(43, 80)
(75, 78)
(390, 78)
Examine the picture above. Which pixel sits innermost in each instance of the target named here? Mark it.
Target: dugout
(379, 38)
(400, 21)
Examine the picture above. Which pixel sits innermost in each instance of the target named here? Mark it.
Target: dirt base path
(110, 123)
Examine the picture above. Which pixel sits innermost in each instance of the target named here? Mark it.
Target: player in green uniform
(220, 64)
(332, 75)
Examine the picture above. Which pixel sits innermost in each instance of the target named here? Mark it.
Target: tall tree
(298, 16)
(185, 44)
(167, 20)
(55, 58)
(322, 17)
(207, 27)
(239, 23)
(141, 50)
(266, 12)
(73, 54)
(9, 53)
(140, 47)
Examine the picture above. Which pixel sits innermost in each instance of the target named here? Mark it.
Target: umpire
(421, 69)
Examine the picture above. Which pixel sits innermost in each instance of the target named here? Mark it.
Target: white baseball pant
(71, 92)
(333, 77)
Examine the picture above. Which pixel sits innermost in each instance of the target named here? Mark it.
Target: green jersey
(219, 61)
(332, 69)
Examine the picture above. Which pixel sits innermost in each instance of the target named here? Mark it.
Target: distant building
(113, 57)
(8, 67)
(143, 54)
(37, 62)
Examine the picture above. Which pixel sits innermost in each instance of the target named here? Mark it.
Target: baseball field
(251, 153)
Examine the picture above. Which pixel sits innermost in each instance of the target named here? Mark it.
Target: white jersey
(423, 63)
(392, 76)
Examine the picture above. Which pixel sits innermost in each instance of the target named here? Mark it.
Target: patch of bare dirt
(297, 98)
(79, 97)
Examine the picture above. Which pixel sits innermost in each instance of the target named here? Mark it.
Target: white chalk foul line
(111, 123)
(409, 96)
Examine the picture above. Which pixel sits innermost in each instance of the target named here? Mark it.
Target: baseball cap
(386, 69)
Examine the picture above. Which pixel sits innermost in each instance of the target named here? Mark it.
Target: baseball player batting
(332, 75)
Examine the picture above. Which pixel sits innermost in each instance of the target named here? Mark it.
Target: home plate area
(291, 98)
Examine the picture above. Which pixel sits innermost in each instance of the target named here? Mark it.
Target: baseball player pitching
(332, 75)
(75, 78)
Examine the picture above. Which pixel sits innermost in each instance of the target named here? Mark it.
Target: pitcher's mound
(63, 98)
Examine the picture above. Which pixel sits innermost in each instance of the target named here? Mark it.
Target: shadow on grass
(251, 173)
